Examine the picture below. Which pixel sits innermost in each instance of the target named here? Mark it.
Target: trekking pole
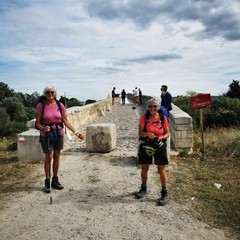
(50, 181)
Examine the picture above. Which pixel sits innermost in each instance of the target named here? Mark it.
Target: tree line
(16, 108)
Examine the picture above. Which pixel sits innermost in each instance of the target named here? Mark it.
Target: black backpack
(42, 100)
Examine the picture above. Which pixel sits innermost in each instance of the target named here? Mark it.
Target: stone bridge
(125, 119)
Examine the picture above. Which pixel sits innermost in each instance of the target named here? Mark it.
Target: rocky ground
(98, 199)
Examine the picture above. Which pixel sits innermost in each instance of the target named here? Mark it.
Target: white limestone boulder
(101, 138)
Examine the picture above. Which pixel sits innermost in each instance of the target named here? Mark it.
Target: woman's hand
(46, 129)
(150, 135)
(79, 135)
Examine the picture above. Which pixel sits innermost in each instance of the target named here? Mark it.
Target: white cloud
(85, 48)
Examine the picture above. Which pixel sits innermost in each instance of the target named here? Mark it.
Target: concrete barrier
(29, 147)
(181, 129)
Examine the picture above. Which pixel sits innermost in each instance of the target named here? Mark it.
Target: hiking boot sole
(57, 187)
(161, 202)
(47, 190)
(140, 195)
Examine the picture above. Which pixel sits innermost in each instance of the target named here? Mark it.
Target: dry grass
(194, 181)
(15, 177)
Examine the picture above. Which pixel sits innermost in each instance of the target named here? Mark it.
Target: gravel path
(97, 201)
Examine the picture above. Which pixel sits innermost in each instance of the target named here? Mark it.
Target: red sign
(201, 100)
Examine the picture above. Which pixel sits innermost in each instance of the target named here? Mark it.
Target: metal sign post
(202, 132)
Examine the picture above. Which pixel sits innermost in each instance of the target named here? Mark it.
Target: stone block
(101, 138)
(183, 143)
(29, 147)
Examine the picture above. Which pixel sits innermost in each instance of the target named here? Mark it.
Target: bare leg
(164, 193)
(47, 165)
(144, 173)
(56, 162)
(144, 176)
(163, 175)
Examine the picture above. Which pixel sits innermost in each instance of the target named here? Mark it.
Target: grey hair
(49, 88)
(153, 100)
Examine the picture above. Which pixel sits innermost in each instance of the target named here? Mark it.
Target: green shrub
(224, 112)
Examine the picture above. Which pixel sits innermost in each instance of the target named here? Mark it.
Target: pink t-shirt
(154, 126)
(51, 114)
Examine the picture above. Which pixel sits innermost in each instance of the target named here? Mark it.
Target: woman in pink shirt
(153, 132)
(51, 115)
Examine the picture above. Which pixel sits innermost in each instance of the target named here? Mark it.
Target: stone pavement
(126, 121)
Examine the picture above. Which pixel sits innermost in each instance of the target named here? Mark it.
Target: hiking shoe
(47, 186)
(142, 192)
(164, 198)
(56, 184)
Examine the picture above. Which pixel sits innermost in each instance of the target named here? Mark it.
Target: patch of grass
(14, 176)
(8, 144)
(194, 180)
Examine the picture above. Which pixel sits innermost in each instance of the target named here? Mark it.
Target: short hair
(164, 87)
(153, 100)
(51, 88)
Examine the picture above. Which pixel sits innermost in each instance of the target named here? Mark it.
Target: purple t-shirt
(51, 114)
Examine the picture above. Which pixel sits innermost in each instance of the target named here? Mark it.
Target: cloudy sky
(86, 47)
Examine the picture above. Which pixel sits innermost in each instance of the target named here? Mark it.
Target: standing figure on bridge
(50, 120)
(153, 133)
(140, 96)
(123, 96)
(135, 95)
(166, 98)
(113, 96)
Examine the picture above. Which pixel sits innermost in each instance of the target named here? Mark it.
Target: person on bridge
(153, 132)
(51, 115)
(140, 96)
(135, 95)
(113, 96)
(123, 96)
(166, 98)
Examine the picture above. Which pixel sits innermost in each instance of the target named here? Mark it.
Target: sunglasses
(48, 92)
(152, 106)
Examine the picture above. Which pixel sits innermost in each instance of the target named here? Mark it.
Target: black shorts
(49, 146)
(147, 153)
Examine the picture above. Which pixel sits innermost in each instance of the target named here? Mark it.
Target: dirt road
(97, 201)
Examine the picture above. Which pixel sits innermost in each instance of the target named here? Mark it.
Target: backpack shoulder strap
(43, 102)
(147, 115)
(60, 109)
(161, 114)
(59, 106)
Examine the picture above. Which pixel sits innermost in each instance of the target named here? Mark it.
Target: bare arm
(166, 133)
(39, 125)
(70, 127)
